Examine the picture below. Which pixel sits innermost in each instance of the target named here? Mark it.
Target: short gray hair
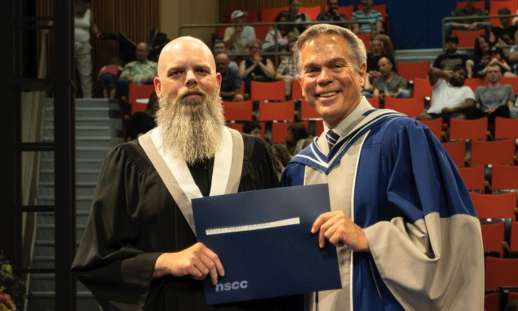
(358, 51)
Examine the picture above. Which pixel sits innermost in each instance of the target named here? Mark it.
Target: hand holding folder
(264, 240)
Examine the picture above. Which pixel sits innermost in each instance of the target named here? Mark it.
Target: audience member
(293, 15)
(237, 37)
(277, 37)
(481, 55)
(469, 10)
(376, 51)
(451, 58)
(141, 70)
(494, 99)
(252, 128)
(332, 14)
(297, 133)
(287, 69)
(450, 98)
(108, 76)
(389, 83)
(255, 67)
(219, 47)
(83, 25)
(230, 80)
(504, 35)
(497, 57)
(367, 19)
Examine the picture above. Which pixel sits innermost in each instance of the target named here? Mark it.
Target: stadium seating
(493, 238)
(138, 96)
(513, 246)
(413, 70)
(492, 152)
(457, 152)
(307, 112)
(435, 125)
(461, 129)
(283, 111)
(506, 128)
(473, 177)
(501, 205)
(408, 106)
(494, 6)
(279, 132)
(271, 91)
(296, 89)
(501, 272)
(467, 37)
(238, 111)
(504, 177)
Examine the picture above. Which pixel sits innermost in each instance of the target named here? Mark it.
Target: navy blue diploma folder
(264, 241)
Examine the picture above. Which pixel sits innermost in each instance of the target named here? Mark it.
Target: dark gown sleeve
(107, 261)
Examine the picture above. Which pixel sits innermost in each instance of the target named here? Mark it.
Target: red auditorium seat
(435, 125)
(501, 272)
(319, 127)
(513, 81)
(311, 11)
(374, 101)
(408, 106)
(473, 83)
(492, 301)
(506, 128)
(276, 111)
(492, 152)
(238, 111)
(422, 89)
(236, 126)
(346, 10)
(473, 177)
(139, 92)
(279, 132)
(478, 4)
(513, 246)
(273, 91)
(413, 70)
(461, 129)
(296, 90)
(504, 177)
(499, 205)
(457, 152)
(307, 112)
(467, 37)
(492, 237)
(381, 7)
(494, 6)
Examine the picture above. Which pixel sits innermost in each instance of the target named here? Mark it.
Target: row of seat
(495, 205)
(500, 237)
(501, 282)
(490, 178)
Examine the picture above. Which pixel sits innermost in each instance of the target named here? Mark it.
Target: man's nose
(190, 79)
(325, 77)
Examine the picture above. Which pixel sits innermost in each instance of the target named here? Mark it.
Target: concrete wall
(174, 13)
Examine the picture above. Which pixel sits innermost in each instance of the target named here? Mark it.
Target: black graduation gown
(134, 219)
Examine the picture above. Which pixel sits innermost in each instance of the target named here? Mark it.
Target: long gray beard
(191, 132)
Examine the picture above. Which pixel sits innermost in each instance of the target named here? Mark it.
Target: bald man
(139, 251)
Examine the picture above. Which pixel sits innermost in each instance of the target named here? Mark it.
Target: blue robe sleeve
(430, 253)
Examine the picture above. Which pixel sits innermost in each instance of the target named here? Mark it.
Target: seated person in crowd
(108, 76)
(367, 19)
(332, 14)
(219, 47)
(504, 36)
(230, 80)
(252, 128)
(293, 15)
(497, 57)
(451, 58)
(481, 55)
(376, 51)
(494, 99)
(237, 37)
(255, 67)
(277, 37)
(389, 83)
(296, 137)
(141, 70)
(287, 69)
(450, 97)
(478, 21)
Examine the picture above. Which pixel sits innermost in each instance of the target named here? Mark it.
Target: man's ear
(158, 86)
(219, 79)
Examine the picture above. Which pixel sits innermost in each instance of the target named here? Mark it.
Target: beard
(191, 129)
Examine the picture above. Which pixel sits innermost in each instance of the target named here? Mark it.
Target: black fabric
(448, 61)
(134, 219)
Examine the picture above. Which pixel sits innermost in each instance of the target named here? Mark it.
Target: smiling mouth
(326, 94)
(192, 93)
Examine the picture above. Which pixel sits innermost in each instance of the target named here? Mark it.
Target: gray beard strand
(192, 132)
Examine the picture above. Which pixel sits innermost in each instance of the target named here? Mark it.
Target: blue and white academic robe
(394, 179)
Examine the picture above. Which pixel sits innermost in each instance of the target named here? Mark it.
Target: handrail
(472, 18)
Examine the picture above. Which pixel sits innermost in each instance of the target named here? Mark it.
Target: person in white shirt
(450, 97)
(238, 37)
